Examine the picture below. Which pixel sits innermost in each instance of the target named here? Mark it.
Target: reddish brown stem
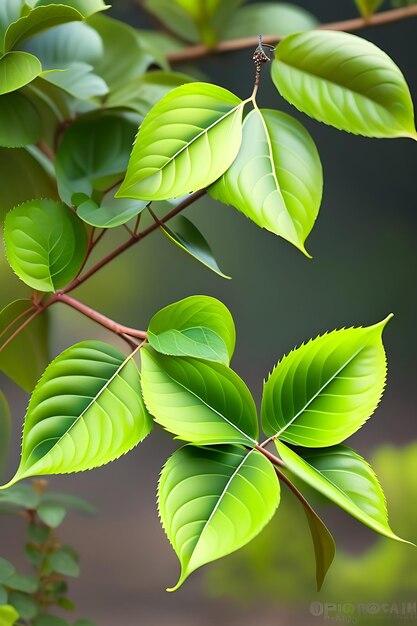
(274, 459)
(199, 51)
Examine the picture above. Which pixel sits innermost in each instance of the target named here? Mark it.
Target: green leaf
(45, 244)
(31, 341)
(201, 402)
(50, 620)
(38, 533)
(93, 154)
(3, 599)
(8, 615)
(368, 7)
(112, 212)
(141, 94)
(69, 502)
(20, 123)
(24, 604)
(323, 542)
(85, 7)
(5, 428)
(187, 237)
(276, 179)
(66, 604)
(17, 69)
(52, 515)
(86, 410)
(9, 12)
(344, 81)
(22, 582)
(19, 497)
(36, 183)
(213, 501)
(175, 18)
(78, 80)
(198, 326)
(64, 562)
(38, 19)
(125, 58)
(83, 622)
(185, 143)
(33, 555)
(6, 570)
(268, 18)
(324, 391)
(340, 474)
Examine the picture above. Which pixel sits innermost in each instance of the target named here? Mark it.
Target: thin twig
(199, 51)
(274, 459)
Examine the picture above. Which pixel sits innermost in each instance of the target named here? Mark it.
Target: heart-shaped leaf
(17, 69)
(45, 244)
(31, 341)
(340, 474)
(324, 391)
(187, 237)
(213, 501)
(276, 179)
(198, 326)
(344, 81)
(185, 143)
(200, 402)
(86, 410)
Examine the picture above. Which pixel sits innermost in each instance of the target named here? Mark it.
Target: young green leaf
(17, 69)
(199, 401)
(185, 143)
(213, 501)
(20, 123)
(368, 7)
(93, 154)
(5, 429)
(187, 237)
(45, 244)
(52, 514)
(198, 326)
(31, 341)
(276, 179)
(340, 474)
(85, 7)
(268, 18)
(324, 391)
(112, 212)
(8, 615)
(38, 19)
(64, 562)
(344, 81)
(86, 410)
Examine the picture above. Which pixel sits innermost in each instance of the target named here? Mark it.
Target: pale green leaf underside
(198, 326)
(112, 212)
(17, 69)
(324, 391)
(45, 244)
(31, 341)
(345, 81)
(86, 410)
(37, 20)
(186, 236)
(213, 501)
(20, 123)
(78, 80)
(344, 477)
(276, 179)
(185, 143)
(199, 401)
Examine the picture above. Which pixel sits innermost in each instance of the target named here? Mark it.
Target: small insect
(262, 53)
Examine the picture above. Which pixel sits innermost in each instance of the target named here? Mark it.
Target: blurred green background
(364, 267)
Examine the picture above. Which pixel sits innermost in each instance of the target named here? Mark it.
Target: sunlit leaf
(197, 326)
(24, 357)
(187, 237)
(185, 143)
(268, 18)
(344, 477)
(86, 410)
(112, 212)
(93, 154)
(213, 501)
(276, 179)
(45, 243)
(17, 69)
(20, 123)
(85, 7)
(324, 391)
(344, 81)
(8, 615)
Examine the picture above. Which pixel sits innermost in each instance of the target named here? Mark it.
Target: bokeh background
(364, 267)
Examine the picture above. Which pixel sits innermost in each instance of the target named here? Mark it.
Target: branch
(134, 239)
(199, 51)
(295, 491)
(274, 459)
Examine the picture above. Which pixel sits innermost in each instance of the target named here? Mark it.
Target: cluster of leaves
(217, 492)
(28, 599)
